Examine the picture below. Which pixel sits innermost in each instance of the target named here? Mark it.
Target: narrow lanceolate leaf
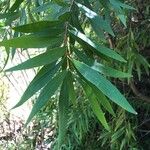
(95, 105)
(97, 47)
(30, 41)
(72, 94)
(16, 5)
(63, 107)
(104, 85)
(108, 71)
(39, 81)
(102, 99)
(9, 15)
(46, 93)
(40, 60)
(96, 21)
(38, 26)
(105, 70)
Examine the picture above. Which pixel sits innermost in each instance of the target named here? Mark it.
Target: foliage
(74, 58)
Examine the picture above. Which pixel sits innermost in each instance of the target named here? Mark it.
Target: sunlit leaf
(31, 41)
(99, 48)
(39, 81)
(16, 5)
(40, 60)
(96, 20)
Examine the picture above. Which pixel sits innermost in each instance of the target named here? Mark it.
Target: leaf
(99, 48)
(102, 99)
(105, 86)
(39, 26)
(123, 19)
(118, 4)
(62, 14)
(108, 71)
(97, 21)
(45, 95)
(138, 69)
(46, 6)
(71, 90)
(40, 80)
(13, 50)
(104, 3)
(95, 105)
(9, 15)
(40, 60)
(31, 41)
(144, 62)
(63, 107)
(16, 5)
(117, 134)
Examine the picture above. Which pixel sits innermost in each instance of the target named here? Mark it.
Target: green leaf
(138, 69)
(123, 19)
(45, 95)
(39, 81)
(108, 71)
(103, 100)
(58, 14)
(118, 4)
(9, 15)
(47, 6)
(104, 3)
(144, 62)
(95, 105)
(99, 48)
(39, 26)
(105, 86)
(16, 5)
(63, 107)
(96, 20)
(31, 41)
(40, 60)
(71, 90)
(117, 134)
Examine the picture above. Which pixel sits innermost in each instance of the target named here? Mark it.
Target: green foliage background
(89, 47)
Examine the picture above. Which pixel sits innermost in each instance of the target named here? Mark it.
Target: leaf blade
(46, 93)
(95, 105)
(103, 85)
(40, 60)
(97, 47)
(103, 69)
(30, 41)
(96, 20)
(39, 81)
(63, 107)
